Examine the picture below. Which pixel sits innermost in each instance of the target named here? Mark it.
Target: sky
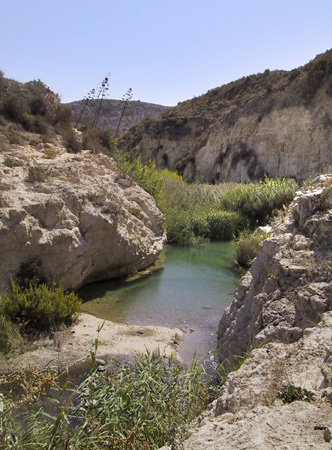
(166, 51)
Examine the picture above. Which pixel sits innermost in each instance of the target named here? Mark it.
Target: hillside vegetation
(110, 116)
(259, 125)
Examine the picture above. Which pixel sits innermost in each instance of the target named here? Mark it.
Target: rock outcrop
(289, 286)
(275, 123)
(277, 333)
(76, 213)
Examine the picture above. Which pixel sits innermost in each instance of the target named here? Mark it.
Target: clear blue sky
(165, 50)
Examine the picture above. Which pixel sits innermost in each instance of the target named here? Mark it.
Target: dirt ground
(76, 342)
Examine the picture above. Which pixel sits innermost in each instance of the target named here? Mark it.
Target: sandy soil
(75, 343)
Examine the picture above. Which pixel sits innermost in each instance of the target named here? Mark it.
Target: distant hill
(110, 113)
(276, 123)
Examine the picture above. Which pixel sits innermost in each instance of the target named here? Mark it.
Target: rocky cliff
(276, 123)
(277, 332)
(76, 213)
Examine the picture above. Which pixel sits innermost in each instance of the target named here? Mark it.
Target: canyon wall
(275, 123)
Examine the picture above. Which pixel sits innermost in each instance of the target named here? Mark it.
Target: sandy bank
(68, 346)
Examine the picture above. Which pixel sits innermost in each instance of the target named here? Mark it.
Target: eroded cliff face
(76, 213)
(276, 124)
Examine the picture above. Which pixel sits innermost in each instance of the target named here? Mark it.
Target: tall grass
(197, 212)
(144, 404)
(258, 201)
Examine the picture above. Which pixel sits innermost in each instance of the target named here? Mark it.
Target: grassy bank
(196, 212)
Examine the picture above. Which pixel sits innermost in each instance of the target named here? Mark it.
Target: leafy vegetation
(143, 404)
(290, 393)
(39, 306)
(34, 106)
(196, 212)
(38, 173)
(259, 200)
(247, 247)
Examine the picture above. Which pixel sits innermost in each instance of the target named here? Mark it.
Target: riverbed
(190, 291)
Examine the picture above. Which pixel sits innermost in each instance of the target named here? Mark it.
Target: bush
(38, 173)
(71, 141)
(247, 247)
(63, 117)
(14, 107)
(31, 272)
(96, 139)
(224, 225)
(290, 393)
(39, 307)
(198, 212)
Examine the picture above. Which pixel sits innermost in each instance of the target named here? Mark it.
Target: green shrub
(38, 173)
(71, 141)
(224, 225)
(290, 393)
(63, 117)
(143, 405)
(196, 212)
(325, 201)
(30, 272)
(14, 107)
(39, 307)
(97, 139)
(247, 247)
(258, 201)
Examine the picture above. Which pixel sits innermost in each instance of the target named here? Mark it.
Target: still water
(190, 291)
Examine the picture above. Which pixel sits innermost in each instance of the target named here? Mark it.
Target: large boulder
(76, 213)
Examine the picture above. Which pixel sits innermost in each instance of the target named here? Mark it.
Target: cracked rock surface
(76, 212)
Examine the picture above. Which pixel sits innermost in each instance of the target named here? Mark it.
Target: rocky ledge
(76, 213)
(280, 324)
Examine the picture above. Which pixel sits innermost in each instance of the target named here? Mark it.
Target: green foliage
(30, 272)
(14, 107)
(247, 247)
(290, 393)
(258, 201)
(196, 212)
(146, 175)
(97, 139)
(221, 225)
(144, 404)
(39, 307)
(63, 117)
(71, 141)
(37, 173)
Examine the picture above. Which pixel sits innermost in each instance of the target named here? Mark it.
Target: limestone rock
(289, 286)
(78, 217)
